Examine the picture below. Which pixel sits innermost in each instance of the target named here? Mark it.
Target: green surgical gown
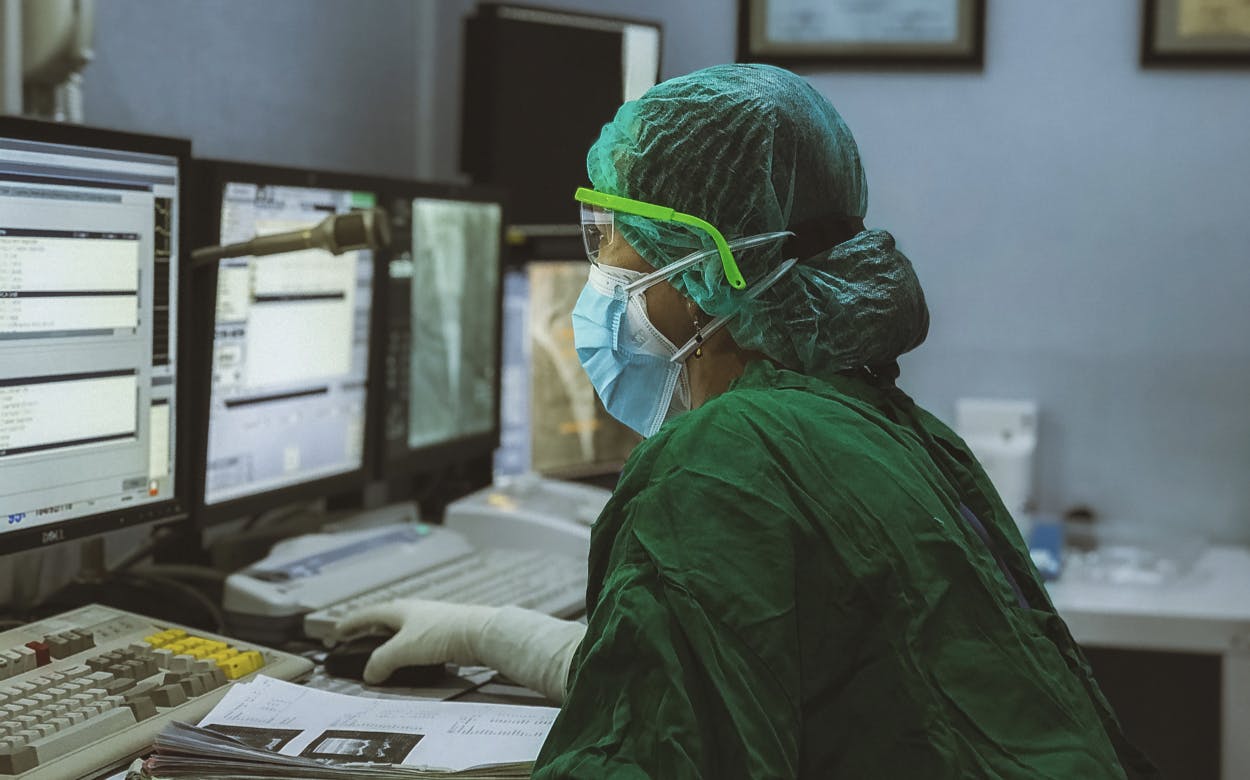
(784, 585)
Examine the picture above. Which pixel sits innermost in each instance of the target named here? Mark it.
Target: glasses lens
(596, 230)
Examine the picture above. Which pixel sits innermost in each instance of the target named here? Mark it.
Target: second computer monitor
(288, 391)
(441, 369)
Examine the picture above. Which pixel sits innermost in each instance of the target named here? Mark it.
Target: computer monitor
(90, 359)
(539, 84)
(441, 369)
(288, 390)
(571, 435)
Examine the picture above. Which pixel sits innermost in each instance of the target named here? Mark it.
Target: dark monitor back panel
(440, 368)
(288, 344)
(93, 401)
(539, 86)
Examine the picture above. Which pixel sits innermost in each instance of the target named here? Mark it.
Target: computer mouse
(348, 659)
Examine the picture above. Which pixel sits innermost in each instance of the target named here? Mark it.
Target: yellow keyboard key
(222, 655)
(162, 638)
(255, 660)
(234, 667)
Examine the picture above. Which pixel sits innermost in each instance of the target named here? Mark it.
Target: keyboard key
(58, 646)
(13, 740)
(141, 706)
(98, 663)
(82, 734)
(15, 759)
(169, 695)
(162, 638)
(26, 659)
(118, 685)
(235, 667)
(81, 641)
(180, 663)
(193, 686)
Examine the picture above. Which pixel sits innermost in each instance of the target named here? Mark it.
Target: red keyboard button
(43, 655)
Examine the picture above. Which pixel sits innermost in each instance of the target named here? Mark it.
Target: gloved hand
(531, 648)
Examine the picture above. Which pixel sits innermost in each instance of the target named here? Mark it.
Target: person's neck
(723, 361)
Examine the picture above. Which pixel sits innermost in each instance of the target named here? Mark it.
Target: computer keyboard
(87, 690)
(494, 577)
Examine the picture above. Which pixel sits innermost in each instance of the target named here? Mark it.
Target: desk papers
(268, 728)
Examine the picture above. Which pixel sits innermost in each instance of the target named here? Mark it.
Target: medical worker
(801, 573)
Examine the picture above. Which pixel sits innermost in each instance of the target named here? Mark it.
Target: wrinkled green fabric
(782, 586)
(754, 149)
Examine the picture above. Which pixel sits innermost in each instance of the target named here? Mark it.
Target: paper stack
(272, 729)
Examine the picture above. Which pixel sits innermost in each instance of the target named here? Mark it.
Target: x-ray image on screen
(455, 319)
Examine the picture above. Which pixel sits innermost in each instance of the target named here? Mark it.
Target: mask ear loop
(696, 342)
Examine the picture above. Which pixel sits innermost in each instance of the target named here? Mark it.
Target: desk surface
(1206, 609)
(1217, 587)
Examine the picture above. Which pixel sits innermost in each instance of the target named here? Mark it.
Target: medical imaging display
(571, 433)
(290, 348)
(454, 319)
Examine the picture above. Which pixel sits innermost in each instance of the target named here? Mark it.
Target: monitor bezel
(437, 456)
(210, 178)
(176, 508)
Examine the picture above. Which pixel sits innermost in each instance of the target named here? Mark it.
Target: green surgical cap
(754, 149)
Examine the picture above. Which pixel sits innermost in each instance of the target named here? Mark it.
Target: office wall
(316, 83)
(1078, 222)
(1079, 226)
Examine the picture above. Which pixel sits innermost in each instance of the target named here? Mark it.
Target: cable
(281, 513)
(185, 571)
(144, 550)
(214, 612)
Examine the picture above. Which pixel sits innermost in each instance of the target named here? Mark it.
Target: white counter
(1206, 610)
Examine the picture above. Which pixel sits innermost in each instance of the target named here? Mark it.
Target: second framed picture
(1204, 33)
(855, 33)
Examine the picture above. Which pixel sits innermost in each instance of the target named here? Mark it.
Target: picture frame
(1195, 33)
(851, 33)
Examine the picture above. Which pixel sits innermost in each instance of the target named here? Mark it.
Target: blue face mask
(638, 373)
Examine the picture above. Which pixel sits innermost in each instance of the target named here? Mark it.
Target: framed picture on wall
(893, 33)
(1195, 32)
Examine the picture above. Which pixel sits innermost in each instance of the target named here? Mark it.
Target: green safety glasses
(598, 226)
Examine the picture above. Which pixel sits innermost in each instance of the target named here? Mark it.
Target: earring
(698, 330)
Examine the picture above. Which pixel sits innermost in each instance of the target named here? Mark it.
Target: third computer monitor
(288, 390)
(441, 369)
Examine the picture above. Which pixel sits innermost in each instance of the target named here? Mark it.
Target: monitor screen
(552, 421)
(290, 350)
(444, 289)
(88, 330)
(528, 117)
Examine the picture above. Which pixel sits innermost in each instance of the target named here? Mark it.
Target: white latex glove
(533, 649)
